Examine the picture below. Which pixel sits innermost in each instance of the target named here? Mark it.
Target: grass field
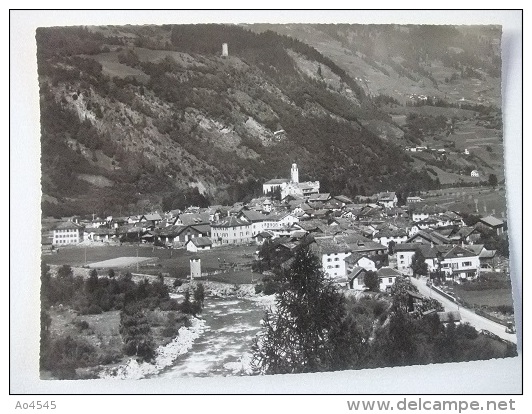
(112, 67)
(489, 297)
(432, 111)
(174, 262)
(119, 262)
(451, 178)
(464, 198)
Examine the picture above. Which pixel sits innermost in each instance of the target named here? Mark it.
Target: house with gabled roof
(360, 260)
(191, 219)
(332, 253)
(387, 277)
(67, 232)
(258, 221)
(116, 222)
(231, 230)
(423, 212)
(102, 234)
(460, 264)
(261, 237)
(370, 211)
(319, 197)
(387, 235)
(178, 235)
(273, 184)
(198, 244)
(493, 224)
(282, 219)
(387, 199)
(427, 237)
(153, 218)
(312, 226)
(405, 252)
(451, 317)
(343, 200)
(130, 232)
(355, 278)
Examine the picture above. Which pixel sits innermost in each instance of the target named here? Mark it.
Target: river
(224, 348)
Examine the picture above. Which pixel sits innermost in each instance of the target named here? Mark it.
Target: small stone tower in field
(195, 267)
(225, 50)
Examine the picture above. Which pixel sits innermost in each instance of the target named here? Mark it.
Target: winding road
(479, 322)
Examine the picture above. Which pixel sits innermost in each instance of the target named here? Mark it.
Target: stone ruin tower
(195, 267)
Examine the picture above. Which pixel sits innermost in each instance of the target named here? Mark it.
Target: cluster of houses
(350, 239)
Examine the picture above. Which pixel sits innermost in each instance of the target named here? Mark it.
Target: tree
(309, 331)
(199, 295)
(186, 305)
(419, 266)
(492, 180)
(401, 341)
(92, 282)
(136, 333)
(391, 247)
(371, 280)
(400, 293)
(470, 219)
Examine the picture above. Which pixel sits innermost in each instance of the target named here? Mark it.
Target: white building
(333, 255)
(387, 199)
(292, 186)
(198, 244)
(414, 199)
(387, 277)
(460, 264)
(67, 232)
(231, 231)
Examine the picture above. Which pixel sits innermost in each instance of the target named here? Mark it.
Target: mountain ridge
(133, 115)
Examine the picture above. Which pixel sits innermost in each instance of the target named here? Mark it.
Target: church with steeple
(292, 186)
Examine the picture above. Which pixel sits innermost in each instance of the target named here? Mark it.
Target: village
(420, 239)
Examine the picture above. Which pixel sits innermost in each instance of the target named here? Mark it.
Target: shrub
(467, 331)
(109, 358)
(65, 354)
(379, 308)
(270, 286)
(94, 309)
(169, 305)
(259, 288)
(382, 318)
(81, 325)
(170, 331)
(508, 309)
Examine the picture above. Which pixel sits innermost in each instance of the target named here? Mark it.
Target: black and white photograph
(255, 199)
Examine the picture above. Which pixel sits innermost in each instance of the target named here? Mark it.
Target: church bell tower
(294, 174)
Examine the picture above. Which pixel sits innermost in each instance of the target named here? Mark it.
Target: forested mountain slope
(132, 116)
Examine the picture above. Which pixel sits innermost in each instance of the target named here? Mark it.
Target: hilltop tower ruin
(225, 50)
